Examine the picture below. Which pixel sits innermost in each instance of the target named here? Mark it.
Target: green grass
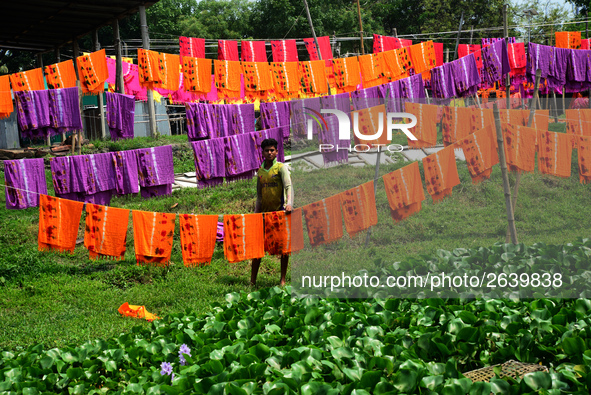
(59, 299)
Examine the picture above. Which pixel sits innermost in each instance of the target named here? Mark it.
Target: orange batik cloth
(93, 72)
(6, 105)
(243, 237)
(426, 129)
(151, 67)
(257, 79)
(391, 66)
(295, 230)
(347, 74)
(286, 79)
(368, 122)
(371, 70)
(130, 310)
(60, 75)
(456, 124)
(172, 70)
(227, 78)
(481, 118)
(554, 153)
(196, 74)
(59, 220)
(514, 117)
(313, 77)
(31, 80)
(105, 232)
(276, 233)
(422, 56)
(198, 237)
(578, 123)
(359, 208)
(520, 147)
(583, 144)
(324, 220)
(405, 191)
(404, 61)
(570, 40)
(480, 150)
(541, 119)
(152, 237)
(441, 173)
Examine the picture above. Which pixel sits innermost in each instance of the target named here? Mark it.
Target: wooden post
(447, 55)
(146, 45)
(57, 60)
(40, 65)
(530, 121)
(506, 188)
(471, 33)
(458, 37)
(506, 33)
(555, 107)
(375, 189)
(119, 85)
(101, 99)
(79, 85)
(360, 26)
(316, 39)
(563, 99)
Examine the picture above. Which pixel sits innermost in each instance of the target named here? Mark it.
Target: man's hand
(288, 208)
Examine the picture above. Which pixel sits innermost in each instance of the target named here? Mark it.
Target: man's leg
(256, 263)
(284, 263)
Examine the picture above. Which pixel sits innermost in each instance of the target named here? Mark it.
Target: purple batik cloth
(33, 112)
(488, 41)
(242, 118)
(210, 165)
(24, 180)
(339, 151)
(412, 88)
(391, 94)
(274, 133)
(120, 115)
(495, 62)
(126, 173)
(155, 169)
(303, 111)
(275, 114)
(60, 174)
(557, 68)
(466, 78)
(366, 98)
(71, 177)
(222, 117)
(538, 57)
(64, 111)
(577, 64)
(102, 178)
(200, 120)
(241, 157)
(442, 82)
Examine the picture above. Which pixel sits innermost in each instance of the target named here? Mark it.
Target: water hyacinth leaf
(34, 391)
(135, 388)
(499, 386)
(370, 379)
(538, 380)
(573, 345)
(405, 380)
(354, 374)
(46, 362)
(234, 389)
(481, 388)
(432, 382)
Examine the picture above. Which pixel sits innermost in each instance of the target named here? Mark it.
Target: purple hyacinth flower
(166, 368)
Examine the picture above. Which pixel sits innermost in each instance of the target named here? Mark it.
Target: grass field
(58, 299)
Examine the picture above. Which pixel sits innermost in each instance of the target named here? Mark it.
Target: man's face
(269, 153)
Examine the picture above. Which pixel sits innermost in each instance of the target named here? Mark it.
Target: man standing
(274, 193)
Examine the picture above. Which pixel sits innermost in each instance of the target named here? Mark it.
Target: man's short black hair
(268, 142)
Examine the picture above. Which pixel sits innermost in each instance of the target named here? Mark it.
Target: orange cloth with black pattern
(481, 118)
(371, 70)
(441, 173)
(295, 230)
(347, 74)
(514, 117)
(105, 232)
(583, 144)
(198, 237)
(59, 220)
(392, 66)
(369, 124)
(404, 61)
(480, 151)
(359, 208)
(456, 124)
(554, 153)
(404, 190)
(31, 80)
(257, 79)
(520, 147)
(243, 237)
(571, 40)
(196, 74)
(313, 77)
(578, 122)
(60, 75)
(426, 129)
(227, 78)
(92, 71)
(422, 56)
(276, 233)
(152, 237)
(324, 220)
(151, 67)
(286, 79)
(6, 105)
(541, 119)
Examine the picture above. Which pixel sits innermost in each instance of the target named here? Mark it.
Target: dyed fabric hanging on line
(25, 181)
(228, 50)
(554, 153)
(253, 51)
(441, 173)
(286, 80)
(583, 145)
(347, 74)
(325, 49)
(423, 56)
(152, 237)
(480, 151)
(120, 115)
(295, 230)
(192, 47)
(105, 231)
(324, 220)
(371, 70)
(198, 238)
(6, 105)
(570, 40)
(520, 147)
(59, 220)
(404, 190)
(93, 72)
(155, 170)
(243, 237)
(426, 129)
(313, 77)
(284, 51)
(196, 74)
(31, 80)
(228, 78)
(60, 75)
(359, 208)
(276, 233)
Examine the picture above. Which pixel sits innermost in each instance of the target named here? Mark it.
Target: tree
(550, 19)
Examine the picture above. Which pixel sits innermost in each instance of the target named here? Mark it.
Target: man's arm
(287, 188)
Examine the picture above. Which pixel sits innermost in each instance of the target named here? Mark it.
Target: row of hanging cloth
(248, 236)
(219, 120)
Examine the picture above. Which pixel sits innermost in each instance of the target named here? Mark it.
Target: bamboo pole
(506, 188)
(100, 98)
(316, 39)
(119, 84)
(506, 34)
(146, 45)
(77, 136)
(458, 37)
(360, 27)
(375, 189)
(530, 121)
(40, 65)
